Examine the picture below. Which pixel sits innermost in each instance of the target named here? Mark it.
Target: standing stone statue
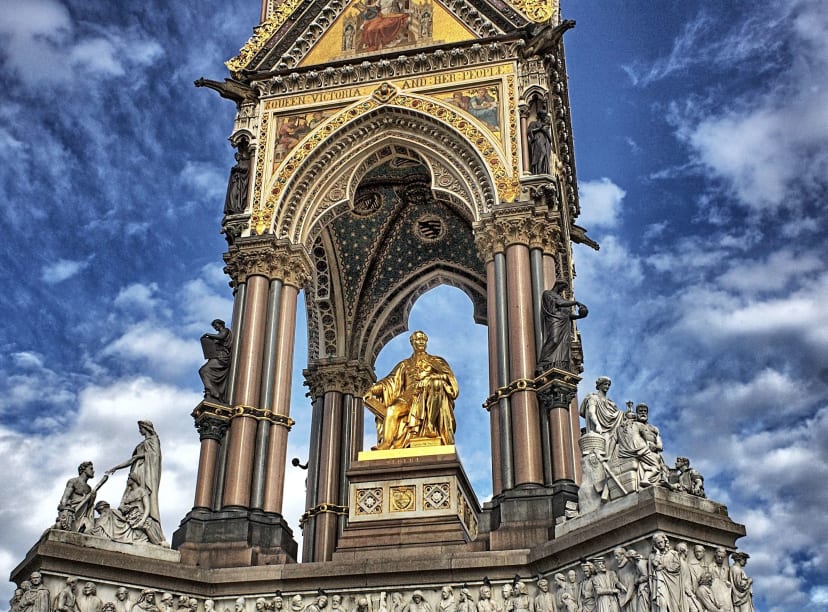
(556, 351)
(66, 600)
(722, 589)
(416, 400)
(608, 588)
(235, 201)
(626, 570)
(666, 588)
(540, 143)
(586, 594)
(741, 584)
(141, 495)
(40, 598)
(217, 349)
(601, 414)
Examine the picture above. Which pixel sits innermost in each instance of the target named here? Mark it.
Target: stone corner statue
(217, 350)
(139, 504)
(415, 401)
(556, 351)
(540, 143)
(235, 202)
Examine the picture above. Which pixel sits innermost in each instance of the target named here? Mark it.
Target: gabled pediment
(318, 32)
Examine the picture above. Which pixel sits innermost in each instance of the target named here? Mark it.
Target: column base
(234, 538)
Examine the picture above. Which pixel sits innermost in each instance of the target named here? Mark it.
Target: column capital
(351, 377)
(210, 421)
(273, 258)
(528, 225)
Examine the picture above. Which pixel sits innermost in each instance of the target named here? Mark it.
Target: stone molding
(273, 258)
(350, 377)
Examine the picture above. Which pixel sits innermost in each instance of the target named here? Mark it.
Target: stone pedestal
(408, 498)
(234, 538)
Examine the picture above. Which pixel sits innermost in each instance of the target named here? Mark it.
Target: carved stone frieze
(351, 377)
(270, 257)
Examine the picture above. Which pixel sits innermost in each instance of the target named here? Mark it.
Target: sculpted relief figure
(741, 584)
(545, 600)
(217, 350)
(586, 594)
(484, 601)
(556, 351)
(666, 588)
(721, 580)
(608, 588)
(416, 400)
(418, 603)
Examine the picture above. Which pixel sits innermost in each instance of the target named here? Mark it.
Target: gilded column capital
(351, 377)
(531, 226)
(274, 258)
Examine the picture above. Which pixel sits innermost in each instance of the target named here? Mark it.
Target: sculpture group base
(234, 538)
(409, 498)
(388, 560)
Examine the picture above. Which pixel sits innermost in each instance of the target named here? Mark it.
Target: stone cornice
(273, 258)
(351, 377)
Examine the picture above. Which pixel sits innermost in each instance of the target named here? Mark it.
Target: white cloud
(205, 178)
(156, 348)
(600, 203)
(138, 297)
(772, 274)
(61, 270)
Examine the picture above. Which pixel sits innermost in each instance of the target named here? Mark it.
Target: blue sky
(700, 132)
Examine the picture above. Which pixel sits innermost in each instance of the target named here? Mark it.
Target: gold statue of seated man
(416, 400)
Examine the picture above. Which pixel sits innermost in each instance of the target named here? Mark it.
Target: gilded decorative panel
(367, 27)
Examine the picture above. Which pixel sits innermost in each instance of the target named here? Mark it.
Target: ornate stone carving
(525, 224)
(138, 518)
(350, 377)
(269, 257)
(210, 427)
(622, 453)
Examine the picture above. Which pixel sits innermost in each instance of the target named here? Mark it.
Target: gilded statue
(415, 401)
